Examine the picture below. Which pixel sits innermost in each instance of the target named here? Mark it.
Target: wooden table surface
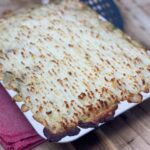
(131, 130)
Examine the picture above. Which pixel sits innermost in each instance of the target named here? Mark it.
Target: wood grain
(136, 15)
(7, 5)
(130, 131)
(116, 139)
(54, 146)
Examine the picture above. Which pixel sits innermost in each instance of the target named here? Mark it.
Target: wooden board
(136, 15)
(130, 131)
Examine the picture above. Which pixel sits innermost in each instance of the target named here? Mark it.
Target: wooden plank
(54, 146)
(15, 4)
(131, 132)
(117, 141)
(137, 13)
(139, 121)
(104, 141)
(146, 107)
(129, 135)
(146, 9)
(136, 19)
(87, 142)
(141, 2)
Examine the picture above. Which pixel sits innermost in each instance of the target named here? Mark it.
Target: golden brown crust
(101, 118)
(17, 98)
(24, 108)
(69, 70)
(104, 116)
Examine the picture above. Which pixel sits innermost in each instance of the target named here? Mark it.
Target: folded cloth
(16, 133)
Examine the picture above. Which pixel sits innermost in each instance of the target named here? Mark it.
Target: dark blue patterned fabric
(107, 9)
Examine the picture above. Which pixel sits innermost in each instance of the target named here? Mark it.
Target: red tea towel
(16, 133)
